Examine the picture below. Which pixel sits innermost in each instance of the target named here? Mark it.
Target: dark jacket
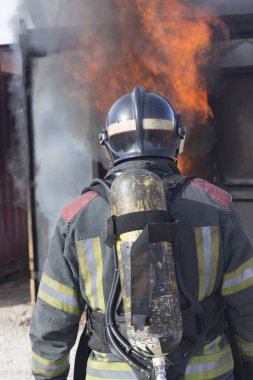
(215, 254)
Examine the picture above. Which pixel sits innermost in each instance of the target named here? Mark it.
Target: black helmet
(142, 124)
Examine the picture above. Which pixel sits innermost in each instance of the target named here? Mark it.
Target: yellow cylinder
(139, 190)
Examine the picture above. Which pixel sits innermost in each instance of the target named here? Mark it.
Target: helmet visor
(124, 142)
(122, 137)
(155, 134)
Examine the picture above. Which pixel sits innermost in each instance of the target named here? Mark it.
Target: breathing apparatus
(145, 233)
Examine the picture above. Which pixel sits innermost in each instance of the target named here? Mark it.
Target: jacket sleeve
(58, 309)
(237, 288)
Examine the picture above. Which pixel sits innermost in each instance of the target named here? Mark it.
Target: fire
(160, 45)
(184, 164)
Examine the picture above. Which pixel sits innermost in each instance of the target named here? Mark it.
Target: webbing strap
(196, 329)
(81, 358)
(158, 222)
(174, 184)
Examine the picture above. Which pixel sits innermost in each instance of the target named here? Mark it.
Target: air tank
(148, 282)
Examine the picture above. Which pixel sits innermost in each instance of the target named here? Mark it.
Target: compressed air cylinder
(148, 281)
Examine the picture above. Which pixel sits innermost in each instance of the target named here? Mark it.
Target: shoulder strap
(101, 186)
(174, 184)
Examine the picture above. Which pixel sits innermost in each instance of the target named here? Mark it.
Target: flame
(161, 45)
(184, 164)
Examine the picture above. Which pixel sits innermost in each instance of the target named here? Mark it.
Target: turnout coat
(215, 255)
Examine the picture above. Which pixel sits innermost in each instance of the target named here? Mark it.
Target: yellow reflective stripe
(100, 356)
(207, 367)
(209, 358)
(210, 375)
(41, 371)
(60, 287)
(51, 368)
(86, 277)
(207, 244)
(213, 346)
(246, 348)
(201, 262)
(99, 272)
(42, 360)
(109, 370)
(239, 279)
(112, 366)
(215, 255)
(59, 295)
(58, 304)
(239, 270)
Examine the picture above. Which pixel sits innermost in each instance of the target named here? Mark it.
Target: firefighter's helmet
(142, 124)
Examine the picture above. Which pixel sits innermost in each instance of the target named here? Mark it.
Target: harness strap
(174, 184)
(82, 355)
(197, 328)
(96, 329)
(159, 222)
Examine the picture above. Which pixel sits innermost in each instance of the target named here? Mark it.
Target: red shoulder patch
(68, 212)
(220, 195)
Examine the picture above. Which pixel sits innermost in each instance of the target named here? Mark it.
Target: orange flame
(160, 45)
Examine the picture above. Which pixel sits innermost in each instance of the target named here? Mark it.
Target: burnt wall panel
(13, 225)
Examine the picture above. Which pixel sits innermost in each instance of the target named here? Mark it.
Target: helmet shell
(142, 124)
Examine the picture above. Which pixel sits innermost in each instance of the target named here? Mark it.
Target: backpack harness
(202, 321)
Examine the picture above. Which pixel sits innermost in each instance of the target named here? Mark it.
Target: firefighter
(211, 253)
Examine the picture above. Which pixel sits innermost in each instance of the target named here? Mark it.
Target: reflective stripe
(122, 126)
(208, 257)
(147, 124)
(82, 260)
(207, 244)
(59, 295)
(51, 368)
(90, 260)
(246, 348)
(201, 262)
(90, 257)
(209, 366)
(213, 346)
(99, 356)
(109, 370)
(159, 124)
(239, 279)
(99, 273)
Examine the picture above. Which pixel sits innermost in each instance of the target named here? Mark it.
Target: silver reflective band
(49, 367)
(148, 124)
(206, 367)
(207, 242)
(58, 295)
(90, 256)
(248, 273)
